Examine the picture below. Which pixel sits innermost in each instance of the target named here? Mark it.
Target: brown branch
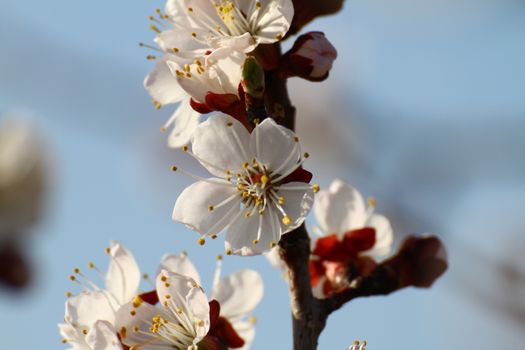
(308, 313)
(419, 262)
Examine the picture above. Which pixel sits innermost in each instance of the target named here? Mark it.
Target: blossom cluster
(216, 59)
(256, 194)
(176, 314)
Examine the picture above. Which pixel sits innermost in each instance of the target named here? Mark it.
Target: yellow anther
(287, 220)
(136, 329)
(72, 278)
(194, 34)
(255, 241)
(187, 67)
(306, 155)
(91, 265)
(164, 278)
(272, 244)
(252, 320)
(76, 270)
(256, 121)
(316, 188)
(281, 200)
(228, 252)
(68, 294)
(137, 301)
(372, 202)
(145, 276)
(219, 257)
(174, 49)
(174, 168)
(154, 28)
(168, 296)
(190, 9)
(133, 312)
(265, 179)
(108, 250)
(201, 241)
(229, 124)
(279, 36)
(211, 208)
(213, 236)
(123, 332)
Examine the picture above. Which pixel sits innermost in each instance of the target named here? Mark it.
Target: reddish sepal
(299, 175)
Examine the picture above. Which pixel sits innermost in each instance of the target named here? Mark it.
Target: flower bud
(311, 57)
(253, 78)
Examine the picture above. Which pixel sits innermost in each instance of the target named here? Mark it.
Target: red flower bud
(311, 57)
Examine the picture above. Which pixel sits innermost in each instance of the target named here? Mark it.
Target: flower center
(255, 187)
(171, 332)
(233, 18)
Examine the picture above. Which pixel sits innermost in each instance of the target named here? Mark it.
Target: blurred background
(424, 110)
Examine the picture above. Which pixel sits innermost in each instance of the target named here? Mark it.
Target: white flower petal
(87, 308)
(103, 336)
(225, 67)
(275, 22)
(193, 206)
(123, 276)
(239, 293)
(242, 43)
(186, 120)
(384, 235)
(297, 204)
(181, 265)
(267, 137)
(223, 142)
(173, 41)
(339, 209)
(74, 337)
(241, 235)
(162, 85)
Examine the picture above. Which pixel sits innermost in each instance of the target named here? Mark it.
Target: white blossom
(200, 26)
(238, 294)
(180, 322)
(165, 89)
(341, 208)
(90, 316)
(247, 198)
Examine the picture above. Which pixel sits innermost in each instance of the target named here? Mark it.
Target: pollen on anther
(213, 236)
(174, 168)
(211, 208)
(194, 34)
(72, 278)
(201, 241)
(108, 250)
(68, 294)
(255, 241)
(316, 188)
(287, 220)
(219, 257)
(306, 155)
(185, 148)
(228, 252)
(372, 202)
(164, 278)
(272, 244)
